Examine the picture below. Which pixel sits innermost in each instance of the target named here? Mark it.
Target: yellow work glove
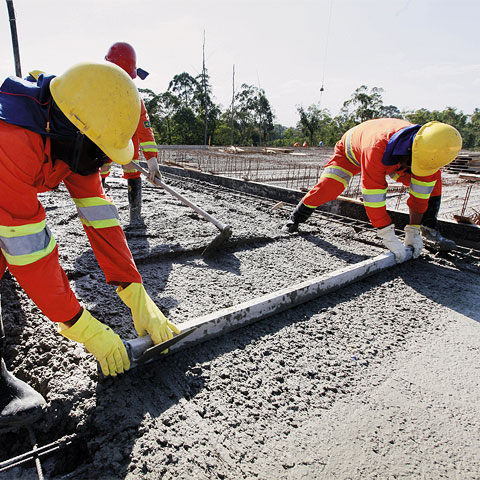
(100, 341)
(147, 317)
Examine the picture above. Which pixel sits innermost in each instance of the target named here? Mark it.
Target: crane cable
(322, 89)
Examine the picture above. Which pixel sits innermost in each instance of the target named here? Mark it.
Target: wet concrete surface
(378, 380)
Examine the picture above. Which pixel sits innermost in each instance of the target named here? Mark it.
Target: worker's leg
(20, 404)
(134, 194)
(430, 230)
(333, 181)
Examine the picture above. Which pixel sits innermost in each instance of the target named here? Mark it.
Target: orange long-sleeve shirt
(27, 246)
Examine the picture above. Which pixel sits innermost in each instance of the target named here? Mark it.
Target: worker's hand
(392, 242)
(153, 170)
(413, 238)
(101, 341)
(147, 317)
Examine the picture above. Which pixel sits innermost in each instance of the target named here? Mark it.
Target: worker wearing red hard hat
(60, 129)
(123, 55)
(380, 148)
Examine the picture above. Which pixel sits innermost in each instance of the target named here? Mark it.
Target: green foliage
(365, 105)
(178, 116)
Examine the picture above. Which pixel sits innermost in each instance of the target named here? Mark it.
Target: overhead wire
(322, 88)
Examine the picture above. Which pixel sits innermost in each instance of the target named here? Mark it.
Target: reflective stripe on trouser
(128, 173)
(31, 254)
(25, 244)
(105, 169)
(97, 212)
(333, 181)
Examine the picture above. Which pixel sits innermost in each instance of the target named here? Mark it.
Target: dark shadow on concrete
(459, 291)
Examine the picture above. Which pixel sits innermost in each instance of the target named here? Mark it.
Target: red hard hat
(123, 55)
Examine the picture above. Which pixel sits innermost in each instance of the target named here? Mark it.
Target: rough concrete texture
(377, 381)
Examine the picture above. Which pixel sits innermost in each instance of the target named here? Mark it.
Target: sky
(423, 53)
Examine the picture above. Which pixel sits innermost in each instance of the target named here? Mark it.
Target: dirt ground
(376, 381)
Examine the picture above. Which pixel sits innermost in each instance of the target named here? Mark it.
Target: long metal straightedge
(228, 319)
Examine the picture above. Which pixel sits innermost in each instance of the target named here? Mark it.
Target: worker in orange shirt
(60, 129)
(379, 148)
(123, 55)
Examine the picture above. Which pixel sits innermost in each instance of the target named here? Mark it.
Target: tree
(390, 111)
(253, 115)
(161, 109)
(186, 88)
(471, 134)
(203, 101)
(366, 105)
(309, 120)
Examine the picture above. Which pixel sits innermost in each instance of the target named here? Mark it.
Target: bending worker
(377, 148)
(123, 55)
(61, 129)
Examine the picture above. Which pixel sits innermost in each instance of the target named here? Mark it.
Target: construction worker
(123, 55)
(61, 129)
(376, 149)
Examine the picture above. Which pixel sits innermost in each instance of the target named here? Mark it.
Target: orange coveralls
(360, 150)
(27, 246)
(142, 138)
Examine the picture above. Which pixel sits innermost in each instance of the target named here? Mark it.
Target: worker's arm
(419, 191)
(100, 220)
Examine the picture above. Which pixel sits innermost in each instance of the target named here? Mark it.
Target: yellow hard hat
(101, 100)
(435, 145)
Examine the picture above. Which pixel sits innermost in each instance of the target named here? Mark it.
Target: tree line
(178, 117)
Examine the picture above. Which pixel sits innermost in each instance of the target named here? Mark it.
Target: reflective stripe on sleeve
(348, 148)
(337, 173)
(374, 198)
(148, 146)
(394, 176)
(97, 212)
(420, 189)
(25, 244)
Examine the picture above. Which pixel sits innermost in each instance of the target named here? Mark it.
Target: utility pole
(13, 29)
(204, 94)
(233, 101)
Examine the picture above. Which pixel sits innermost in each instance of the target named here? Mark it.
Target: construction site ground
(378, 380)
(300, 168)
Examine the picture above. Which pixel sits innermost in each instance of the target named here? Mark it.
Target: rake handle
(180, 197)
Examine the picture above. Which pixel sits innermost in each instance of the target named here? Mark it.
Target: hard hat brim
(121, 156)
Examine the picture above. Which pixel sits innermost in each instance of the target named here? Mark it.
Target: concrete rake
(225, 230)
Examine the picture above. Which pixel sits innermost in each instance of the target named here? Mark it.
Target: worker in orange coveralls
(123, 55)
(60, 129)
(379, 148)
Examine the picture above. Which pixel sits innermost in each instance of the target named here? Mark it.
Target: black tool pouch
(80, 154)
